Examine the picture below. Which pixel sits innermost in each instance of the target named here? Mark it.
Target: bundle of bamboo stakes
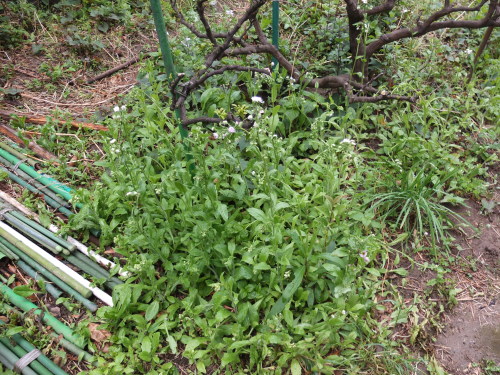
(64, 265)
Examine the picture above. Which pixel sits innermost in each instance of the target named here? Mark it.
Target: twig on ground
(43, 120)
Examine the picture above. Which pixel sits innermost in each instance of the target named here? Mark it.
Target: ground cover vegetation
(274, 238)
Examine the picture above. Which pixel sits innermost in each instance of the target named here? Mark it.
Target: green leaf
(172, 344)
(13, 331)
(228, 358)
(257, 214)
(146, 345)
(292, 287)
(280, 206)
(222, 211)
(400, 271)
(24, 291)
(152, 310)
(295, 368)
(278, 307)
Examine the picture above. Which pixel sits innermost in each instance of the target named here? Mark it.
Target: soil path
(472, 332)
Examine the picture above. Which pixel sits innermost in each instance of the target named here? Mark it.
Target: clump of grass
(417, 203)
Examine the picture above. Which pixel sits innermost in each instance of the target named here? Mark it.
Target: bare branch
(383, 8)
(203, 120)
(226, 68)
(200, 8)
(490, 19)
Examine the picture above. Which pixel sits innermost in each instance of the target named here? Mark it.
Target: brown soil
(71, 94)
(472, 331)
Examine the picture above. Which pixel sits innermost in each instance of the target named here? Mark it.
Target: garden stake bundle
(41, 364)
(54, 193)
(54, 229)
(34, 255)
(55, 244)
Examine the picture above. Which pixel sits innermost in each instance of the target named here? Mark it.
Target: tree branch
(200, 8)
(383, 8)
(490, 19)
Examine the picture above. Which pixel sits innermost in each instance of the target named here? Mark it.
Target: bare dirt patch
(472, 331)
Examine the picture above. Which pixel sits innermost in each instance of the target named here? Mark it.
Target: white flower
(272, 63)
(157, 191)
(344, 312)
(287, 274)
(215, 135)
(347, 140)
(116, 109)
(364, 256)
(112, 141)
(364, 1)
(468, 51)
(132, 193)
(231, 130)
(250, 117)
(230, 12)
(253, 173)
(257, 99)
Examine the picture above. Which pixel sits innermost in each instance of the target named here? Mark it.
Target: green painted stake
(276, 25)
(10, 358)
(52, 184)
(44, 360)
(168, 61)
(20, 352)
(47, 318)
(51, 277)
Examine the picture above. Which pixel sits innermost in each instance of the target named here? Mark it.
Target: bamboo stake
(73, 348)
(20, 352)
(53, 228)
(44, 360)
(43, 153)
(51, 184)
(51, 277)
(9, 359)
(29, 180)
(51, 202)
(18, 154)
(47, 318)
(51, 289)
(67, 274)
(43, 230)
(32, 234)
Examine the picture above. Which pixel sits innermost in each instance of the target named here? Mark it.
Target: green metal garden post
(166, 51)
(276, 25)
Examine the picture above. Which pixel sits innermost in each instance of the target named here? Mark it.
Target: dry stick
(109, 72)
(11, 133)
(44, 120)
